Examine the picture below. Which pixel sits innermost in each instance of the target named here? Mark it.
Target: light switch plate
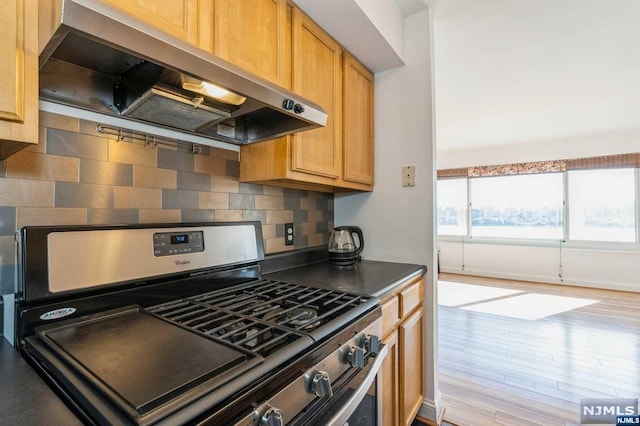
(409, 176)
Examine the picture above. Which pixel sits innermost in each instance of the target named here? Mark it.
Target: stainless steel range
(173, 324)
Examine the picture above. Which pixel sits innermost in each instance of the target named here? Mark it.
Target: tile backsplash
(77, 175)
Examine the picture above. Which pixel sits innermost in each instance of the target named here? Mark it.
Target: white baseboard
(544, 279)
(429, 411)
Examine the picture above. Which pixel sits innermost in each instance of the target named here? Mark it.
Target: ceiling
(514, 80)
(409, 7)
(373, 30)
(535, 79)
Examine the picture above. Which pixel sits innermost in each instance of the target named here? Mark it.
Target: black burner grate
(261, 316)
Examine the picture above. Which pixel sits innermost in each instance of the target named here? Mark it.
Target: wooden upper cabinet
(358, 119)
(317, 76)
(19, 71)
(176, 17)
(322, 159)
(253, 35)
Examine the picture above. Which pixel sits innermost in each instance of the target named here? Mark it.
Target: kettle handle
(358, 231)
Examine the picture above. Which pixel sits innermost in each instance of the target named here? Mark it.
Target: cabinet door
(19, 71)
(317, 75)
(388, 382)
(358, 114)
(176, 17)
(411, 333)
(252, 34)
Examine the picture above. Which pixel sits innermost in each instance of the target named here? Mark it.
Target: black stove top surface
(152, 359)
(261, 316)
(139, 360)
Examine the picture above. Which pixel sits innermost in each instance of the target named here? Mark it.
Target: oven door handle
(350, 406)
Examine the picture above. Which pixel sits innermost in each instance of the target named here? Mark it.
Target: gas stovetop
(165, 323)
(261, 316)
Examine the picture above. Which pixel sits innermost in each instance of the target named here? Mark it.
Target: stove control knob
(272, 417)
(356, 357)
(372, 344)
(321, 385)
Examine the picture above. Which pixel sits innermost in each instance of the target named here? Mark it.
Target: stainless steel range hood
(104, 60)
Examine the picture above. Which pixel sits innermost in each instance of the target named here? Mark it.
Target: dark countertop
(368, 277)
(25, 399)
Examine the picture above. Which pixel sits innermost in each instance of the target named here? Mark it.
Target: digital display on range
(172, 243)
(180, 239)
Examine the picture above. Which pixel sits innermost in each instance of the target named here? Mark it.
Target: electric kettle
(342, 247)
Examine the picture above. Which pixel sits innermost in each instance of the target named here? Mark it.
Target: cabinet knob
(321, 385)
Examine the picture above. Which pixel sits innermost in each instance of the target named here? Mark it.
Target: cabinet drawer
(390, 315)
(411, 297)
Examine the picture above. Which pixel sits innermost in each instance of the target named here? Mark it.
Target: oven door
(356, 398)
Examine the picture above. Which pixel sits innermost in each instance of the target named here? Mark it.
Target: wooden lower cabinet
(411, 336)
(401, 378)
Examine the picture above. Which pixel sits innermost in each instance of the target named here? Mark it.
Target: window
(602, 205)
(521, 206)
(452, 207)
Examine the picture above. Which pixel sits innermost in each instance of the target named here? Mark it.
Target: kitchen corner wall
(398, 222)
(76, 175)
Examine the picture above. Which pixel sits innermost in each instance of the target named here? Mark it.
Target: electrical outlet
(409, 176)
(288, 234)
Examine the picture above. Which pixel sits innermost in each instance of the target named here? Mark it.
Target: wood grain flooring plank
(590, 392)
(500, 370)
(504, 400)
(451, 369)
(476, 387)
(553, 366)
(534, 374)
(511, 420)
(488, 368)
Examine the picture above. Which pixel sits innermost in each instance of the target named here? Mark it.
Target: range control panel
(172, 243)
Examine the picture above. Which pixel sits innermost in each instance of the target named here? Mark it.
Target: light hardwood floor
(507, 371)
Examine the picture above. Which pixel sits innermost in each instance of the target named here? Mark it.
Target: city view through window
(525, 206)
(601, 206)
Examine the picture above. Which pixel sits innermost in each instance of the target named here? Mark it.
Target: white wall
(371, 30)
(398, 222)
(595, 266)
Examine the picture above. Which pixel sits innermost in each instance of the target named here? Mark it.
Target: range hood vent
(163, 107)
(103, 60)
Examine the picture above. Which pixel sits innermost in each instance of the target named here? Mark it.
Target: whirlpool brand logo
(58, 313)
(182, 262)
